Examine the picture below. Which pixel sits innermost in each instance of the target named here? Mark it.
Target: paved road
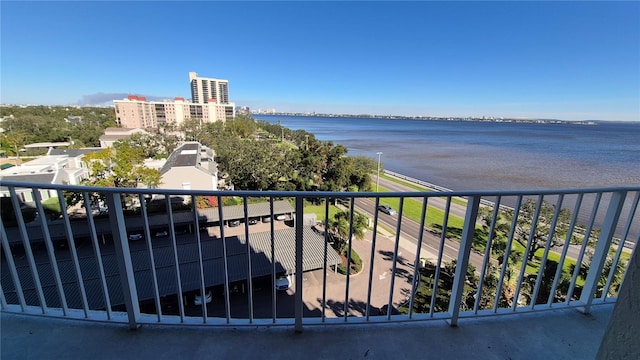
(431, 242)
(409, 232)
(439, 203)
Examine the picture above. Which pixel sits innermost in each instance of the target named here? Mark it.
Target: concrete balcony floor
(558, 334)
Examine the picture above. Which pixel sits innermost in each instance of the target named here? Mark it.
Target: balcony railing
(131, 256)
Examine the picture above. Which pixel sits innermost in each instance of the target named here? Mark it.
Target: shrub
(356, 263)
(51, 208)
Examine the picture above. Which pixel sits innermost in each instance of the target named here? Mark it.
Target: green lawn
(319, 210)
(52, 205)
(419, 188)
(534, 267)
(412, 209)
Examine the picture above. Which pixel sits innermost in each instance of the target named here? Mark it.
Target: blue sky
(564, 60)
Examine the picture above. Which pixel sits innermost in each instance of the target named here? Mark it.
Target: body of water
(466, 155)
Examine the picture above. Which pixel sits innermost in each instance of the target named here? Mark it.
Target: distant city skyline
(551, 60)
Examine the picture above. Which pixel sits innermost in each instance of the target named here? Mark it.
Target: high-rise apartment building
(137, 112)
(204, 90)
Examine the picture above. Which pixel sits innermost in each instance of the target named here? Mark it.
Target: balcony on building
(141, 273)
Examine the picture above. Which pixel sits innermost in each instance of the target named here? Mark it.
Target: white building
(59, 166)
(210, 103)
(205, 89)
(111, 135)
(190, 167)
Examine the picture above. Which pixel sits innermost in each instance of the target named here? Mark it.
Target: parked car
(207, 298)
(163, 233)
(283, 282)
(281, 217)
(253, 221)
(234, 223)
(386, 209)
(135, 237)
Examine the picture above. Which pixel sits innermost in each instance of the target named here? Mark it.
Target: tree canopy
(120, 166)
(542, 227)
(48, 124)
(255, 155)
(264, 156)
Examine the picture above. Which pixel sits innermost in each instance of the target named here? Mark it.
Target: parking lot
(359, 283)
(312, 286)
(258, 227)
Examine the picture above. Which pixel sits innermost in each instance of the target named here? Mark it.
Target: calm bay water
(464, 155)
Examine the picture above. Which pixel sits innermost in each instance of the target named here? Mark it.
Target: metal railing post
(12, 267)
(123, 255)
(463, 258)
(602, 248)
(26, 243)
(298, 295)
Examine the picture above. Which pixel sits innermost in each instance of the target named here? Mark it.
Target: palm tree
(339, 230)
(339, 227)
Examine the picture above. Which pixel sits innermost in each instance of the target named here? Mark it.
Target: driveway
(336, 290)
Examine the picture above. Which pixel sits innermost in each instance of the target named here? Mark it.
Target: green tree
(251, 164)
(157, 145)
(14, 140)
(616, 279)
(542, 226)
(193, 130)
(501, 230)
(47, 123)
(242, 126)
(548, 275)
(120, 166)
(339, 227)
(422, 298)
(339, 232)
(361, 169)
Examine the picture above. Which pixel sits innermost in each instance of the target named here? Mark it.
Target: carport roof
(213, 265)
(135, 223)
(236, 212)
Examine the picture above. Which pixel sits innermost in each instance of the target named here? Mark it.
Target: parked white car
(135, 237)
(163, 233)
(283, 282)
(207, 298)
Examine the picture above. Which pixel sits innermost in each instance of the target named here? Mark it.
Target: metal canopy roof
(135, 223)
(213, 265)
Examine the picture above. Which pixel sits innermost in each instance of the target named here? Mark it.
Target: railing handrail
(120, 227)
(316, 194)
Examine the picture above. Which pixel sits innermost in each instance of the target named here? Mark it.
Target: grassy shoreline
(417, 187)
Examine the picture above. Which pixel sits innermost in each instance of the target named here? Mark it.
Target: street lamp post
(378, 177)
